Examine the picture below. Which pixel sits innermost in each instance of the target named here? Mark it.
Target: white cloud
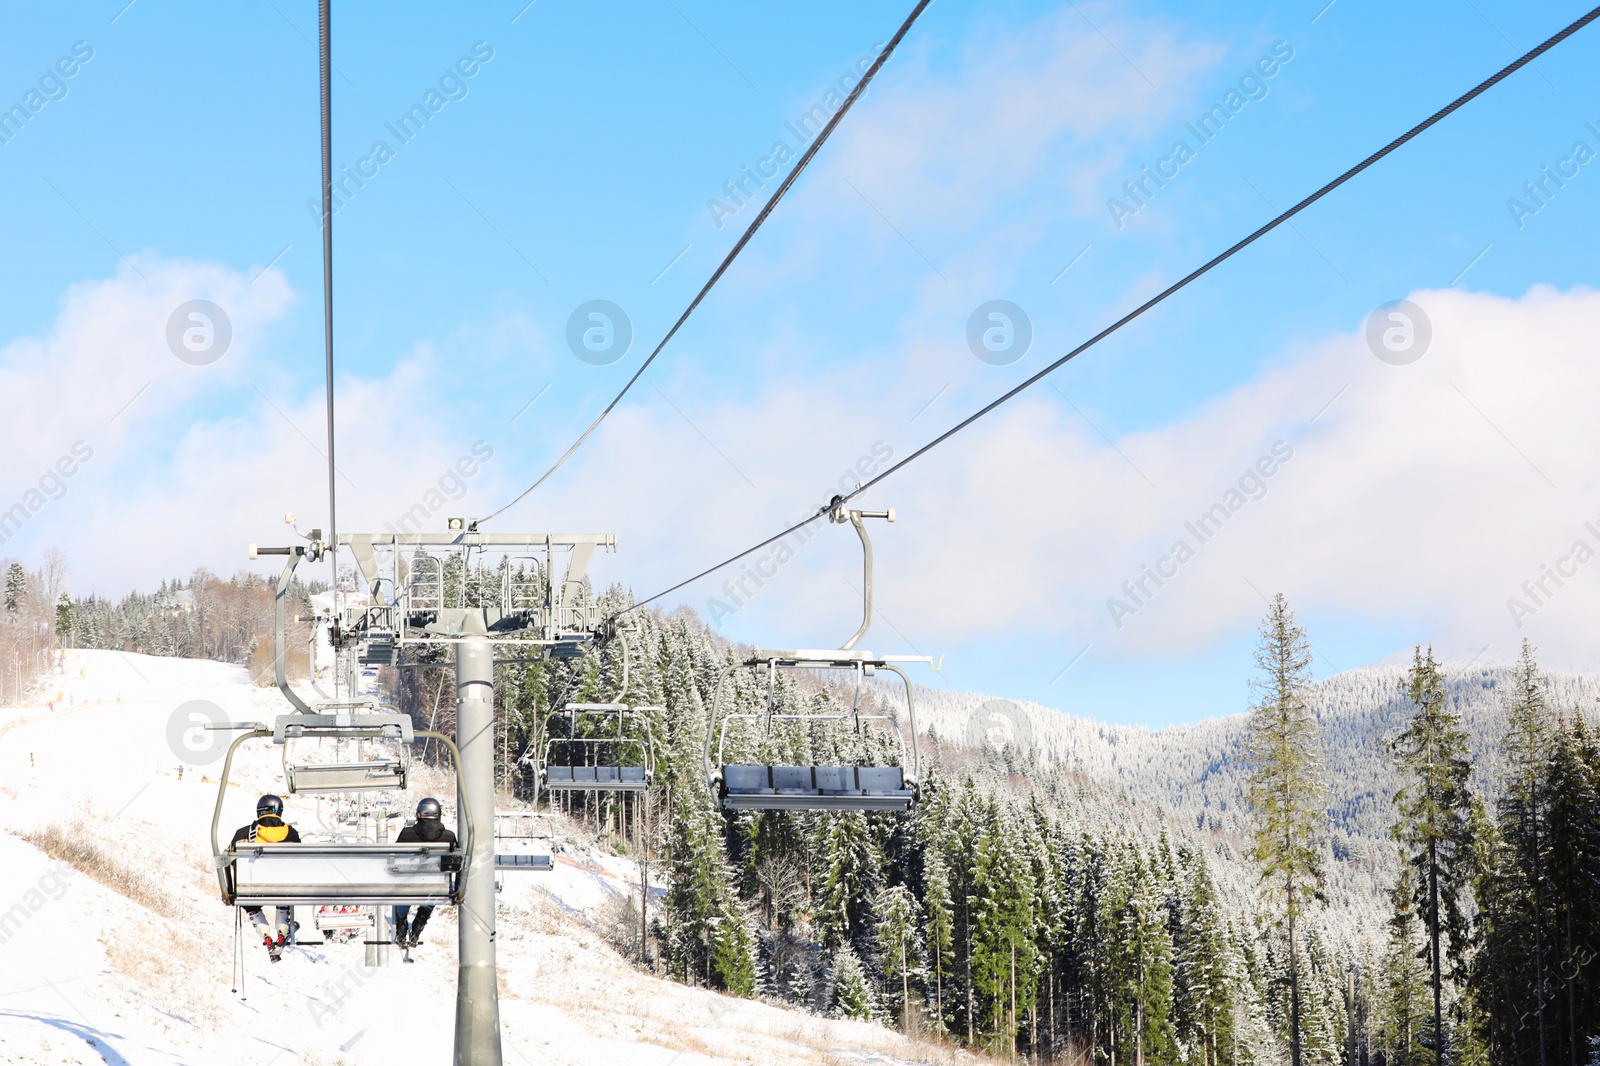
(1421, 499)
(204, 459)
(942, 144)
(1417, 501)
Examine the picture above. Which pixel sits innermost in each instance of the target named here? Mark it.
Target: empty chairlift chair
(768, 786)
(520, 844)
(352, 767)
(622, 760)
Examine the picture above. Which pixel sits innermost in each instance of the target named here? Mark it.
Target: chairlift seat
(346, 777)
(596, 778)
(528, 861)
(816, 788)
(363, 874)
(378, 649)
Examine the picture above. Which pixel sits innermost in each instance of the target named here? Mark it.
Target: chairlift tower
(421, 589)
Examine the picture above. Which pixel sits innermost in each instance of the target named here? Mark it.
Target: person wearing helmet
(269, 828)
(430, 830)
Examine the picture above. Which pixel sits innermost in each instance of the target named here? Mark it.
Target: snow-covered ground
(140, 972)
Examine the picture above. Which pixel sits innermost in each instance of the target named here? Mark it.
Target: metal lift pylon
(528, 608)
(477, 982)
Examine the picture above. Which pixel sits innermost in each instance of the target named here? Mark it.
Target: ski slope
(139, 971)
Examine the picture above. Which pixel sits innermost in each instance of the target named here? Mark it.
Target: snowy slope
(140, 972)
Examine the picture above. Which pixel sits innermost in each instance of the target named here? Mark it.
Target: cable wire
(727, 260)
(325, 48)
(1458, 102)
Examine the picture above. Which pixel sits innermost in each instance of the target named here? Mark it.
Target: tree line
(1021, 911)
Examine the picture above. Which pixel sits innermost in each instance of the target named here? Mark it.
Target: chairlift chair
(359, 874)
(516, 833)
(604, 774)
(766, 786)
(346, 774)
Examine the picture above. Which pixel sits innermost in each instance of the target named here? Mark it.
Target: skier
(269, 828)
(426, 829)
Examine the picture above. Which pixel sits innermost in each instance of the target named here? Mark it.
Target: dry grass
(71, 843)
(296, 665)
(162, 975)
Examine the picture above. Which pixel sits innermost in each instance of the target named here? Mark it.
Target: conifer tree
(1202, 974)
(1321, 1013)
(1286, 786)
(1003, 952)
(1523, 812)
(1435, 829)
(16, 587)
(1574, 836)
(940, 927)
(964, 833)
(708, 934)
(691, 897)
(733, 950)
(852, 875)
(852, 992)
(1402, 989)
(897, 920)
(65, 621)
(1143, 957)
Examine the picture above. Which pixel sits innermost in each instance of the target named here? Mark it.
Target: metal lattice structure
(419, 589)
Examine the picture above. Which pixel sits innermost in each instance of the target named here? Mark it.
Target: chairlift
(599, 762)
(767, 786)
(350, 874)
(607, 771)
(342, 922)
(516, 839)
(354, 767)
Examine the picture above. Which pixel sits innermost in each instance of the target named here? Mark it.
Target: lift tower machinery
(464, 589)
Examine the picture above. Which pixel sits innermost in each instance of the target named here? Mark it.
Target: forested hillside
(1065, 887)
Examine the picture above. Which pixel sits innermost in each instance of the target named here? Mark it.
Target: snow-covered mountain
(1192, 777)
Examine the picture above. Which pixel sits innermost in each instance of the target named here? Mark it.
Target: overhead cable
(325, 46)
(727, 260)
(1431, 120)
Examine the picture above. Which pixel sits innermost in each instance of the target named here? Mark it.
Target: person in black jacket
(426, 829)
(269, 828)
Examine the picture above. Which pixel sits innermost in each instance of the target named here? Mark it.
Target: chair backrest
(867, 788)
(340, 873)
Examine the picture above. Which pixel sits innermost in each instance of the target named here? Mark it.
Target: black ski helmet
(428, 807)
(269, 804)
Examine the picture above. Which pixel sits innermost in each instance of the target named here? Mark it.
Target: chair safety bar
(345, 777)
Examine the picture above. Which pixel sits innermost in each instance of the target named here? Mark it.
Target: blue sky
(579, 160)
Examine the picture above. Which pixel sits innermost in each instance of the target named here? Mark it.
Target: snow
(140, 973)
